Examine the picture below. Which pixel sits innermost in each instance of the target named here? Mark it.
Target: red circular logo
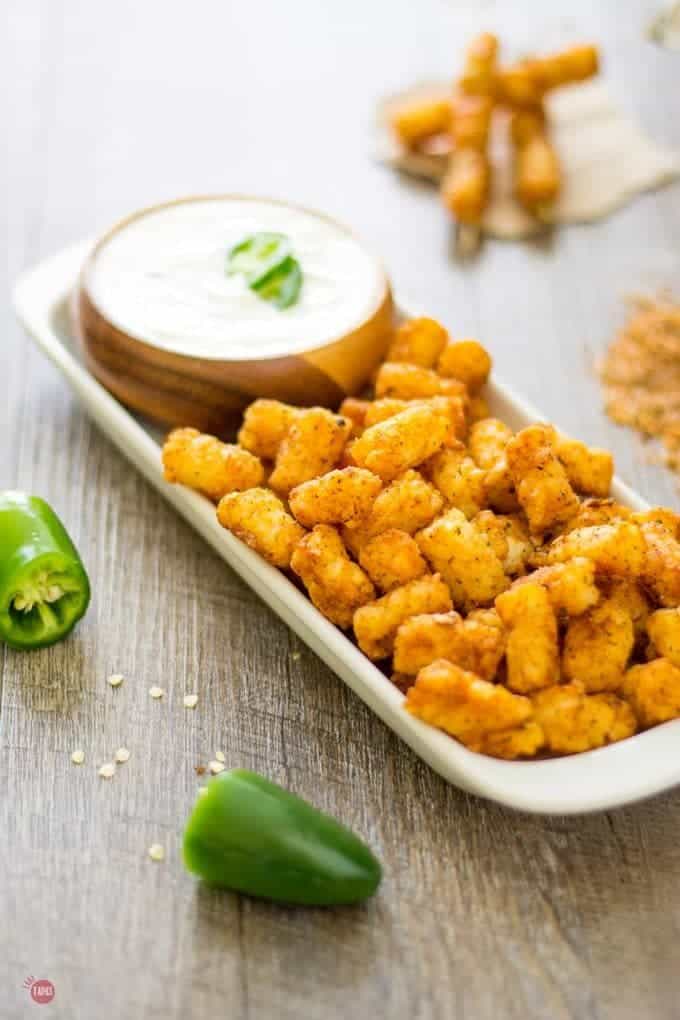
(42, 991)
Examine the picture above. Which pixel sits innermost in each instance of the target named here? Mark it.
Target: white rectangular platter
(597, 780)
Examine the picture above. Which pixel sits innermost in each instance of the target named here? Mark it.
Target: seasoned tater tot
(259, 518)
(476, 644)
(391, 559)
(384, 408)
(521, 742)
(663, 628)
(661, 567)
(339, 497)
(570, 586)
(589, 469)
(487, 441)
(336, 585)
(573, 720)
(408, 504)
(653, 690)
(477, 409)
(499, 488)
(631, 597)
(413, 120)
(464, 558)
(541, 482)
(418, 342)
(457, 477)
(509, 538)
(597, 647)
(532, 652)
(265, 425)
(467, 361)
(480, 643)
(458, 702)
(597, 511)
(376, 624)
(204, 463)
(355, 410)
(411, 382)
(312, 446)
(401, 442)
(616, 549)
(659, 515)
(422, 639)
(453, 407)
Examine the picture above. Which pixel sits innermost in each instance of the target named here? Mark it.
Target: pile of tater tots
(515, 604)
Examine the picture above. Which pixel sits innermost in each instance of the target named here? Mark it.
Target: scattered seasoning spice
(216, 767)
(107, 770)
(122, 755)
(200, 770)
(116, 679)
(190, 700)
(219, 756)
(156, 852)
(640, 374)
(78, 757)
(156, 692)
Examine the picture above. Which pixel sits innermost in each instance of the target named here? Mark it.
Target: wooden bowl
(175, 386)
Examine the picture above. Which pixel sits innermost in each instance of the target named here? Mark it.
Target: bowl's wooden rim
(384, 294)
(181, 388)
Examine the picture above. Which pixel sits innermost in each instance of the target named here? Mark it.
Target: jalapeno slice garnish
(268, 266)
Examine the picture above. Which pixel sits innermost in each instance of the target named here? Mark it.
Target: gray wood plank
(483, 913)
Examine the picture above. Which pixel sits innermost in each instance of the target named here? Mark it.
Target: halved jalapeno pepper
(44, 589)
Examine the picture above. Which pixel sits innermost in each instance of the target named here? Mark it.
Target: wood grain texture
(483, 913)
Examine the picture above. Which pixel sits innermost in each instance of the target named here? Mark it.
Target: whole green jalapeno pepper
(249, 835)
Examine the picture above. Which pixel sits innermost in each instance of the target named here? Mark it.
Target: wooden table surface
(483, 913)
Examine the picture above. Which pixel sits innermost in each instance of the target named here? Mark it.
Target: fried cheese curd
(489, 572)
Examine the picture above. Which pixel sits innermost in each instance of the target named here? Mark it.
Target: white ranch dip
(161, 279)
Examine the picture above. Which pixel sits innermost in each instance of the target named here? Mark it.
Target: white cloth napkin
(606, 159)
